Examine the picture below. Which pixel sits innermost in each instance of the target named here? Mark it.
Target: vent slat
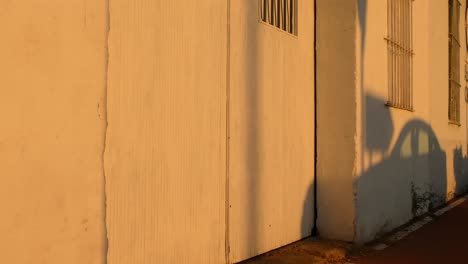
(279, 13)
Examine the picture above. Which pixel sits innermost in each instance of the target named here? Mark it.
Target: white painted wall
(407, 158)
(393, 164)
(271, 160)
(336, 129)
(52, 107)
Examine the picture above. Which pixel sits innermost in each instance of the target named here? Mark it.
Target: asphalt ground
(443, 240)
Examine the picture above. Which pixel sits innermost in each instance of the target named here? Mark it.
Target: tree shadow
(378, 126)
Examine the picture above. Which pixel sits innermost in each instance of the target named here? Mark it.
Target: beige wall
(166, 155)
(271, 162)
(407, 163)
(52, 107)
(210, 133)
(141, 119)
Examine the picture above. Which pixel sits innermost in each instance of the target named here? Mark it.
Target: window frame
(454, 51)
(400, 54)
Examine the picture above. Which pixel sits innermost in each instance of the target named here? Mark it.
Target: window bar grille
(294, 21)
(400, 53)
(261, 10)
(412, 53)
(390, 52)
(279, 13)
(454, 62)
(286, 16)
(281, 16)
(271, 11)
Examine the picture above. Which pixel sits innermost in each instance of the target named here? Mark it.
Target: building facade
(399, 149)
(214, 131)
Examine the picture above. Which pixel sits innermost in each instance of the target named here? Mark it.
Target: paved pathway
(444, 240)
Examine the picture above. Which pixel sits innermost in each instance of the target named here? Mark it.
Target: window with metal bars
(279, 13)
(400, 53)
(454, 62)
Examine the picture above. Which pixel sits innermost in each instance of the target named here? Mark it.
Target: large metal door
(271, 117)
(165, 155)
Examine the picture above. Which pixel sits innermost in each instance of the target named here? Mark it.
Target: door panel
(165, 155)
(271, 164)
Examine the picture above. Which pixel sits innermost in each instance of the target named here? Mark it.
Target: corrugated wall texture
(166, 156)
(271, 161)
(52, 87)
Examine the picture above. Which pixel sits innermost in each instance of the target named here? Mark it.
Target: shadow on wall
(460, 166)
(256, 52)
(308, 210)
(379, 125)
(253, 129)
(408, 181)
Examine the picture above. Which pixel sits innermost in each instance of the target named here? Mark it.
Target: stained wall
(52, 107)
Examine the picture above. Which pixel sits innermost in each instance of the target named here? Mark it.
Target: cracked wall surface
(52, 107)
(144, 148)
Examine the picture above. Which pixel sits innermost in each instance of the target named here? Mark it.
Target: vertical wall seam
(106, 125)
(315, 228)
(228, 91)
